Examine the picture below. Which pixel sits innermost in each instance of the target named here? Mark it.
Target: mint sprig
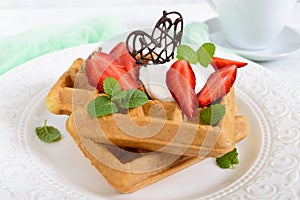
(101, 106)
(115, 99)
(185, 52)
(47, 133)
(229, 160)
(136, 98)
(130, 98)
(212, 114)
(203, 55)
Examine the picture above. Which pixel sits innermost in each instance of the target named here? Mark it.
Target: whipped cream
(154, 79)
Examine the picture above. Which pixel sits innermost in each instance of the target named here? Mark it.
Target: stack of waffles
(146, 144)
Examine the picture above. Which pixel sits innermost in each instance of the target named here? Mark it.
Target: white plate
(287, 43)
(30, 169)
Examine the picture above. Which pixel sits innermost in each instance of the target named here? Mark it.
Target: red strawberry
(101, 65)
(120, 53)
(217, 85)
(181, 82)
(219, 63)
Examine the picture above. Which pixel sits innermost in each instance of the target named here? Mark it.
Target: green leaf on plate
(228, 160)
(47, 133)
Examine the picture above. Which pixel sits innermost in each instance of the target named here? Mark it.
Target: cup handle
(212, 4)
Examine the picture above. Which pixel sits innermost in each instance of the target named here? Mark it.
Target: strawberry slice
(219, 63)
(120, 53)
(217, 85)
(101, 65)
(181, 82)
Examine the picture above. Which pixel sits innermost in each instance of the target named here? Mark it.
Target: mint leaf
(111, 87)
(187, 53)
(101, 106)
(134, 98)
(212, 114)
(119, 96)
(123, 98)
(137, 98)
(205, 54)
(47, 133)
(228, 160)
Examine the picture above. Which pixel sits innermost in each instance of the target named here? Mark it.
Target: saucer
(287, 43)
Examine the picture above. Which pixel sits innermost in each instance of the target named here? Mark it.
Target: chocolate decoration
(159, 47)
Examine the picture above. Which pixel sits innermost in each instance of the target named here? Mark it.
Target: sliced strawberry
(219, 63)
(120, 53)
(94, 71)
(181, 82)
(217, 85)
(101, 65)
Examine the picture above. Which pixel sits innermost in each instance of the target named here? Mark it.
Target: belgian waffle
(120, 157)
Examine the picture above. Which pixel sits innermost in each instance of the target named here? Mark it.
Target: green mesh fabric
(15, 50)
(195, 33)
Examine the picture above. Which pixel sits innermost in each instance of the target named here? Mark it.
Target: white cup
(252, 24)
